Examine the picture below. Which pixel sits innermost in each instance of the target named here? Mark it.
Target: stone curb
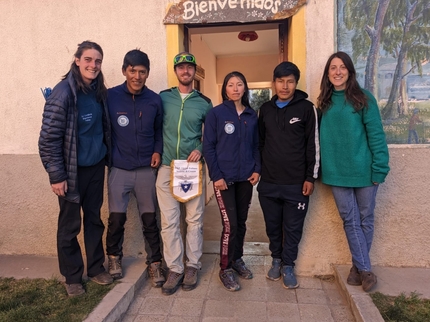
(115, 304)
(360, 302)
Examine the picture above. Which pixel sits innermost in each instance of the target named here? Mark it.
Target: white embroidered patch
(229, 128)
(123, 120)
(295, 120)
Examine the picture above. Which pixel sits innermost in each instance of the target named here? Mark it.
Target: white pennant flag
(186, 180)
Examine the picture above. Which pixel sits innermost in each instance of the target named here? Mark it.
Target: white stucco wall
(320, 41)
(38, 42)
(39, 38)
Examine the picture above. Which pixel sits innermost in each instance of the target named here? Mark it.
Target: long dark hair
(245, 97)
(353, 92)
(99, 83)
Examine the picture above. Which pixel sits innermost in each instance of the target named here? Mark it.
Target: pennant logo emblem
(185, 186)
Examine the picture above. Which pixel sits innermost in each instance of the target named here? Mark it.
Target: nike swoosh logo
(294, 120)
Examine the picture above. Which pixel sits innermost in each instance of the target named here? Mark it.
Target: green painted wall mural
(389, 41)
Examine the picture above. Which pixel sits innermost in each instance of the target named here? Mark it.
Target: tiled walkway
(258, 300)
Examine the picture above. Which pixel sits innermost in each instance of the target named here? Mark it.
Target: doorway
(218, 51)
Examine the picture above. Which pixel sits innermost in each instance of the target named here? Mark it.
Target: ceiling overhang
(216, 11)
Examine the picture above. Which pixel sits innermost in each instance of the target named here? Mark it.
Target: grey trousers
(141, 183)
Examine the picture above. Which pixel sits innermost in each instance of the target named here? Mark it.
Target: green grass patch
(46, 300)
(402, 308)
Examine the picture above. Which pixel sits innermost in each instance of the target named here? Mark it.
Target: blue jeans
(356, 208)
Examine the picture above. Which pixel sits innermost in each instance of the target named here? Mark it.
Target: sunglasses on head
(184, 59)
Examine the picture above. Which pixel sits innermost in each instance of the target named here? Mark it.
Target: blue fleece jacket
(137, 121)
(91, 148)
(230, 143)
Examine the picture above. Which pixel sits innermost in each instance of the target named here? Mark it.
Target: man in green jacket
(185, 110)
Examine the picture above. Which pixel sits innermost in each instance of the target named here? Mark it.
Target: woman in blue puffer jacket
(74, 145)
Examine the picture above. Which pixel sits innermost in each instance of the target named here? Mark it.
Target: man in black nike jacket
(289, 146)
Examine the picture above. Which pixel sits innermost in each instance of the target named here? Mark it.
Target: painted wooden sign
(213, 11)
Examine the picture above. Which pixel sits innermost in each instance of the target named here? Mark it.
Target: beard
(186, 82)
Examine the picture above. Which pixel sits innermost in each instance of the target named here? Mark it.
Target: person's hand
(254, 178)
(308, 188)
(220, 184)
(155, 160)
(60, 188)
(194, 156)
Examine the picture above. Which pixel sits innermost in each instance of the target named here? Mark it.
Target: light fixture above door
(247, 36)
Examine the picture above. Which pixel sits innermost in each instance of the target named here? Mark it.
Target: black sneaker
(173, 281)
(239, 266)
(289, 278)
(274, 273)
(228, 280)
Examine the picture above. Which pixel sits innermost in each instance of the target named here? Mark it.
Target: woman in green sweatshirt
(354, 158)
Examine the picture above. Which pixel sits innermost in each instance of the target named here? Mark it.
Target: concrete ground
(259, 299)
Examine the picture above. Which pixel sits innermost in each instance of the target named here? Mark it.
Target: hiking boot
(354, 277)
(227, 278)
(173, 281)
(190, 278)
(74, 289)
(274, 272)
(289, 279)
(368, 280)
(156, 273)
(102, 279)
(239, 266)
(114, 266)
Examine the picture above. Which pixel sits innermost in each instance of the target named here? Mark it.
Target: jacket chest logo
(295, 120)
(229, 128)
(123, 120)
